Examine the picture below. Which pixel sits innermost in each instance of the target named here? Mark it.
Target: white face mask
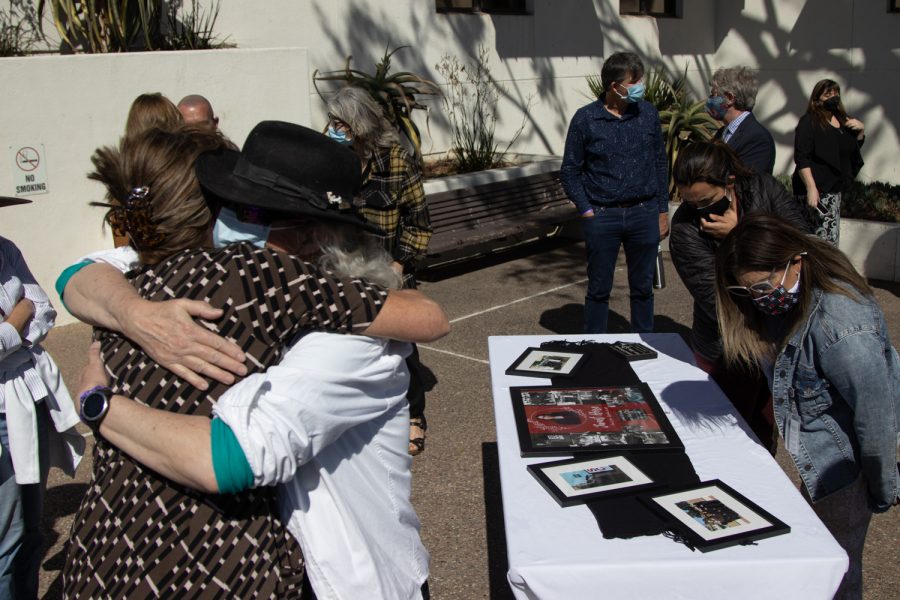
(231, 230)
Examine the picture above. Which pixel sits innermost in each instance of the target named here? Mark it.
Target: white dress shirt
(331, 424)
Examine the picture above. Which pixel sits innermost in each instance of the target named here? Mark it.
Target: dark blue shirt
(609, 160)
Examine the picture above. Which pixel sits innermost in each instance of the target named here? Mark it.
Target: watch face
(93, 406)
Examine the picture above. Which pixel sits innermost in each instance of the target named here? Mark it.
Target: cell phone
(821, 210)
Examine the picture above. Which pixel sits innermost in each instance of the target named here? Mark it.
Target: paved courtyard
(535, 290)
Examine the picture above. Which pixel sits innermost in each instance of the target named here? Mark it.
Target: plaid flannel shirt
(395, 201)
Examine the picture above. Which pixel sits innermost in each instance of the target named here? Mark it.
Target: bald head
(196, 110)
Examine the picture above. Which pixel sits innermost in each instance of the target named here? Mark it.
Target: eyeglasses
(337, 123)
(760, 288)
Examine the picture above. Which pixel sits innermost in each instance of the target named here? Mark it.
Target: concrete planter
(873, 247)
(534, 164)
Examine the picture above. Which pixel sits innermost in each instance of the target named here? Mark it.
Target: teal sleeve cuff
(230, 465)
(63, 280)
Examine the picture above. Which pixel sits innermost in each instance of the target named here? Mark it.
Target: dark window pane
(508, 6)
(467, 5)
(656, 8)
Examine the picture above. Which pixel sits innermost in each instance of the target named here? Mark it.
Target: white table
(559, 553)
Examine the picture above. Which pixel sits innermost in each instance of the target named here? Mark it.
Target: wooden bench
(468, 220)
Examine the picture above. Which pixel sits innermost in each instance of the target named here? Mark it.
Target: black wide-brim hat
(290, 170)
(10, 201)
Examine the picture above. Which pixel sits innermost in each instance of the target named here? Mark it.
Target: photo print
(556, 420)
(712, 515)
(575, 481)
(538, 362)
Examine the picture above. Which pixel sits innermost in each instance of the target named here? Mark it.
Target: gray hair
(740, 82)
(348, 252)
(369, 127)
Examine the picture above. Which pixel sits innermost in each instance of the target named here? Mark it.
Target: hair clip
(137, 195)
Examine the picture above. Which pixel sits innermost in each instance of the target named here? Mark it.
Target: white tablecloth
(559, 553)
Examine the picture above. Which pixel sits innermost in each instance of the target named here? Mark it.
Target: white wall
(73, 104)
(547, 54)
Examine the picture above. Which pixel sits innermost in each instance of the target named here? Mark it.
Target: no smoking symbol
(28, 159)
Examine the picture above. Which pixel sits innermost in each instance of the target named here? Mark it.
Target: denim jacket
(840, 376)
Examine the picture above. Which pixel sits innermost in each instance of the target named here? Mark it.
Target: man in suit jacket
(732, 94)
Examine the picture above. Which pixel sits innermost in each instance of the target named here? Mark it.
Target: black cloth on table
(624, 516)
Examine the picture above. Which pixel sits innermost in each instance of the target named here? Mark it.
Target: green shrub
(873, 201)
(470, 102)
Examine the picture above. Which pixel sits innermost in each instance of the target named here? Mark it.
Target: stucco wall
(73, 104)
(547, 54)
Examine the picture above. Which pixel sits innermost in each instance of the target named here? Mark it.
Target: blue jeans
(21, 542)
(636, 228)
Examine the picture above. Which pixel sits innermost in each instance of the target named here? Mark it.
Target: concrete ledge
(873, 247)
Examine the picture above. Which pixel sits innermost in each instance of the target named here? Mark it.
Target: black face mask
(719, 207)
(832, 103)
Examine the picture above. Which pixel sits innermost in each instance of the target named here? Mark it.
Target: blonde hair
(154, 196)
(150, 111)
(763, 243)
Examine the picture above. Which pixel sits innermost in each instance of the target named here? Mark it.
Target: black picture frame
(711, 515)
(556, 363)
(561, 420)
(586, 478)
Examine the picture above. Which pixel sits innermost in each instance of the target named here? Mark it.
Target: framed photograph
(711, 515)
(539, 362)
(566, 420)
(579, 480)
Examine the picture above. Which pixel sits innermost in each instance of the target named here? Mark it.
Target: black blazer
(818, 148)
(753, 144)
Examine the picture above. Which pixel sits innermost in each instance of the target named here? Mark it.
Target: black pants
(416, 393)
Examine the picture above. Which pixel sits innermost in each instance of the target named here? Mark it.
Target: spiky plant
(395, 92)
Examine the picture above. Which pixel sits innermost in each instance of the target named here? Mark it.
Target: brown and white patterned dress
(139, 535)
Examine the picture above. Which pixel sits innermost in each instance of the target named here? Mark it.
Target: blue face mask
(635, 93)
(231, 230)
(715, 106)
(339, 136)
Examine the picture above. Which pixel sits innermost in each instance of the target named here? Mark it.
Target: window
(651, 8)
(893, 5)
(508, 7)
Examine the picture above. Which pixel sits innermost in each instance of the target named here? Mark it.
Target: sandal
(417, 428)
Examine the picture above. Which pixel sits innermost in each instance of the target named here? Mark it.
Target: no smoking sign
(29, 169)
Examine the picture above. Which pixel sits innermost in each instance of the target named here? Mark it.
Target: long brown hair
(149, 111)
(763, 243)
(153, 193)
(814, 108)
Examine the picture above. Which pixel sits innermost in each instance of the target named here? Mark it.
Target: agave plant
(106, 25)
(100, 26)
(395, 92)
(682, 123)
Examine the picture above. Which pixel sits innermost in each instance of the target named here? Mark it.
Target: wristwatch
(94, 406)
